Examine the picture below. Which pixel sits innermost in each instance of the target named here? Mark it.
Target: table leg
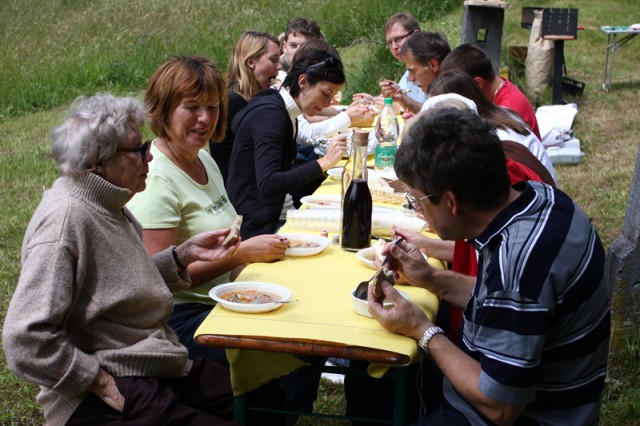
(400, 396)
(239, 407)
(558, 62)
(614, 47)
(606, 86)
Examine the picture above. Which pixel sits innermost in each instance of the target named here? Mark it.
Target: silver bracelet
(426, 337)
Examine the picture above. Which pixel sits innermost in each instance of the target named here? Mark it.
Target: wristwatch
(428, 334)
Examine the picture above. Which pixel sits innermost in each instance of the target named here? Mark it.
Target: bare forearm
(440, 249)
(204, 272)
(453, 287)
(410, 104)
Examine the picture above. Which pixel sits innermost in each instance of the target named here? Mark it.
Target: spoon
(361, 290)
(283, 301)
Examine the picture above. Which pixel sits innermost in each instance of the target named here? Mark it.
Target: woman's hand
(432, 247)
(363, 99)
(360, 116)
(335, 151)
(104, 385)
(205, 246)
(263, 248)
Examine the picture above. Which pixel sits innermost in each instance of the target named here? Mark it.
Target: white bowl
(366, 255)
(279, 292)
(361, 306)
(329, 201)
(319, 244)
(335, 173)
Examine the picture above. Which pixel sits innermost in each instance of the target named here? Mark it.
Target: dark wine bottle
(357, 205)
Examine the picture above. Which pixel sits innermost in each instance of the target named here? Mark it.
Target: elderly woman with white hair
(88, 320)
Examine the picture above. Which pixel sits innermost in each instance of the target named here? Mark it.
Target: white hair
(451, 100)
(93, 130)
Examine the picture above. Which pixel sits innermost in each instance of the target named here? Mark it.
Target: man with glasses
(535, 337)
(396, 31)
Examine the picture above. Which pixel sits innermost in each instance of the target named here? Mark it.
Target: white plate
(322, 243)
(335, 173)
(366, 256)
(329, 201)
(361, 306)
(280, 292)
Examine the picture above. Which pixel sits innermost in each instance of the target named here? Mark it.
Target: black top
(221, 151)
(261, 168)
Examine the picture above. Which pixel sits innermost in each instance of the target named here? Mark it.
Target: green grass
(55, 50)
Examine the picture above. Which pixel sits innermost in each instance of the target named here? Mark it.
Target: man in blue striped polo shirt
(535, 336)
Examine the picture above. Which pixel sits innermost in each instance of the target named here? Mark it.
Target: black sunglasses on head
(329, 63)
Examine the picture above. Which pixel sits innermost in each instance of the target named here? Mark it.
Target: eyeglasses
(330, 62)
(413, 201)
(396, 40)
(143, 149)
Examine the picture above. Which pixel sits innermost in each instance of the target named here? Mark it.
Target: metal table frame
(613, 43)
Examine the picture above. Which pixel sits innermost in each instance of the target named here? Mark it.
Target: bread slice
(382, 274)
(377, 249)
(234, 232)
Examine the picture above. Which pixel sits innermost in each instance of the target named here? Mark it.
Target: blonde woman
(254, 63)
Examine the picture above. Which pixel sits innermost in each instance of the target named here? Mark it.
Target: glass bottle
(387, 132)
(357, 205)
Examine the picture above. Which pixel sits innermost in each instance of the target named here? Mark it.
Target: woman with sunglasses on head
(261, 171)
(254, 63)
(187, 102)
(88, 319)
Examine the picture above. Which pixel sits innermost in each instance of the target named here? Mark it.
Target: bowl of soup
(250, 296)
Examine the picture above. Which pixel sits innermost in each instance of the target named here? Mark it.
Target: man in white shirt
(299, 30)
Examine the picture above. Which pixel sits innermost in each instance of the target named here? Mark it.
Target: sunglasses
(331, 63)
(143, 149)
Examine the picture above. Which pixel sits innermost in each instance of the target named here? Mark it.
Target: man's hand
(404, 317)
(408, 264)
(390, 89)
(104, 385)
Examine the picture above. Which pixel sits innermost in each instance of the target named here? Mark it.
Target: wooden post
(623, 261)
(482, 24)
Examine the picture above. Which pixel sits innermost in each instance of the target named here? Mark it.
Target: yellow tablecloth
(322, 285)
